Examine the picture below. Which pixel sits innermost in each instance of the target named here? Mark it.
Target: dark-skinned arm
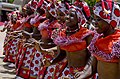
(36, 33)
(26, 32)
(91, 65)
(94, 60)
(119, 69)
(61, 55)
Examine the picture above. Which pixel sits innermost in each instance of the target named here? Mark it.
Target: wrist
(30, 35)
(51, 61)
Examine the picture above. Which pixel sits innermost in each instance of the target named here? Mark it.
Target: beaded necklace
(73, 31)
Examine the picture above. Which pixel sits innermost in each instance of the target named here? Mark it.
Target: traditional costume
(46, 29)
(73, 43)
(26, 56)
(107, 49)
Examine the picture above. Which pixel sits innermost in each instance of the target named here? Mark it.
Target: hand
(46, 62)
(37, 46)
(78, 75)
(51, 52)
(65, 77)
(30, 35)
(27, 44)
(85, 73)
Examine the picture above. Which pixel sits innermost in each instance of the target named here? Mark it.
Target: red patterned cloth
(24, 65)
(104, 49)
(74, 42)
(47, 27)
(16, 25)
(108, 11)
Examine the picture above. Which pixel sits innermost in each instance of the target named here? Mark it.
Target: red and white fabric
(108, 11)
(36, 64)
(61, 7)
(52, 9)
(42, 4)
(80, 15)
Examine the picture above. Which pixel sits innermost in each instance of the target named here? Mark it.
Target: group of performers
(52, 39)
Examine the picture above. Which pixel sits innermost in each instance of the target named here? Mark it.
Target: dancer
(106, 42)
(74, 40)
